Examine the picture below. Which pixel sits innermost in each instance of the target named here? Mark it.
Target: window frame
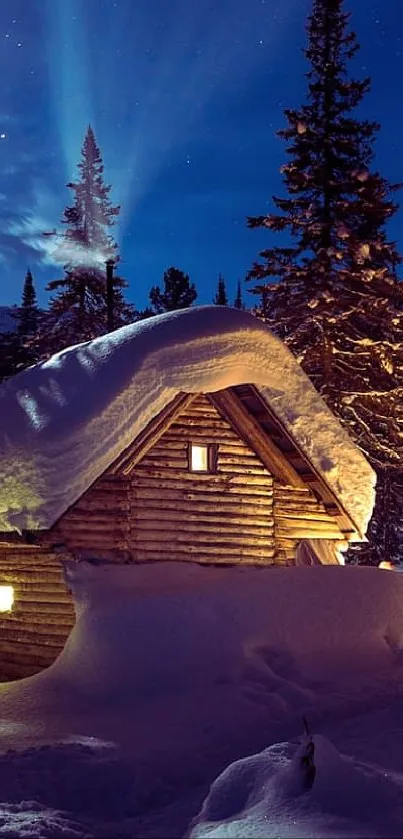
(212, 458)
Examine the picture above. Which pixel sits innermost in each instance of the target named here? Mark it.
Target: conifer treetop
(87, 241)
(337, 205)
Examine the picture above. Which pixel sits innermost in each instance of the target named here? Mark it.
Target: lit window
(198, 458)
(6, 598)
(202, 458)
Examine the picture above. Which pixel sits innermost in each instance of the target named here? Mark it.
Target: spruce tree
(87, 240)
(178, 293)
(220, 298)
(238, 302)
(28, 317)
(78, 312)
(332, 292)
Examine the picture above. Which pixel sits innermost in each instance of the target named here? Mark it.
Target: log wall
(34, 632)
(99, 523)
(224, 517)
(157, 509)
(299, 515)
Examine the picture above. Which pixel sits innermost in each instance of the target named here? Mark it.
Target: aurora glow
(184, 97)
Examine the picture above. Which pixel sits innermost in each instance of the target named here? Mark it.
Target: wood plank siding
(149, 506)
(35, 630)
(225, 516)
(299, 515)
(99, 523)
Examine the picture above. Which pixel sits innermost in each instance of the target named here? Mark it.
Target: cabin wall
(99, 524)
(159, 510)
(225, 517)
(299, 515)
(34, 632)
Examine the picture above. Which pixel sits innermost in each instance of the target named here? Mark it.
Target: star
(3, 136)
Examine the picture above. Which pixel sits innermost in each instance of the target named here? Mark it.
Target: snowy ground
(173, 672)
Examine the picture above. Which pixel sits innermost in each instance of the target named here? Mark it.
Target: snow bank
(63, 422)
(264, 796)
(175, 670)
(191, 661)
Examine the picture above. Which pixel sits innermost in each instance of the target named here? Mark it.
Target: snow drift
(65, 421)
(175, 670)
(190, 661)
(264, 796)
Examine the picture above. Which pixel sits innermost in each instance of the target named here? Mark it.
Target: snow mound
(74, 414)
(193, 662)
(265, 796)
(173, 671)
(31, 820)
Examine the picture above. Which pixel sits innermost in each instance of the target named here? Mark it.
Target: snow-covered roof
(65, 421)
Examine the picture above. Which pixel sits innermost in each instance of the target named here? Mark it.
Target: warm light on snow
(6, 598)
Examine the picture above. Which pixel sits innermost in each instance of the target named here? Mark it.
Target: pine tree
(78, 312)
(179, 292)
(332, 292)
(238, 302)
(28, 318)
(86, 240)
(220, 298)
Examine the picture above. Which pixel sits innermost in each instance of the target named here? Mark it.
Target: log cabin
(190, 437)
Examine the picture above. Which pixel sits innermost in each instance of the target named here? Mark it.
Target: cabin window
(202, 457)
(6, 598)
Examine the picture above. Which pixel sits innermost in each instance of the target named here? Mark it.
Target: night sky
(185, 97)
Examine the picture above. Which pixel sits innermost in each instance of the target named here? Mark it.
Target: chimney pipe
(109, 295)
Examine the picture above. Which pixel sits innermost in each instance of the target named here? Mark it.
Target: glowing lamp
(6, 598)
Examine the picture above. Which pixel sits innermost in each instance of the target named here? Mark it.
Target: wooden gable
(223, 516)
(254, 508)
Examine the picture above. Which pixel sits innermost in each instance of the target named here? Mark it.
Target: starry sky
(185, 97)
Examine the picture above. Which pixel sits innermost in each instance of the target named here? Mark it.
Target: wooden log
(36, 575)
(220, 548)
(239, 459)
(42, 623)
(36, 588)
(177, 530)
(227, 486)
(306, 515)
(184, 498)
(202, 513)
(197, 436)
(56, 609)
(199, 478)
(157, 461)
(252, 469)
(11, 634)
(285, 525)
(206, 559)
